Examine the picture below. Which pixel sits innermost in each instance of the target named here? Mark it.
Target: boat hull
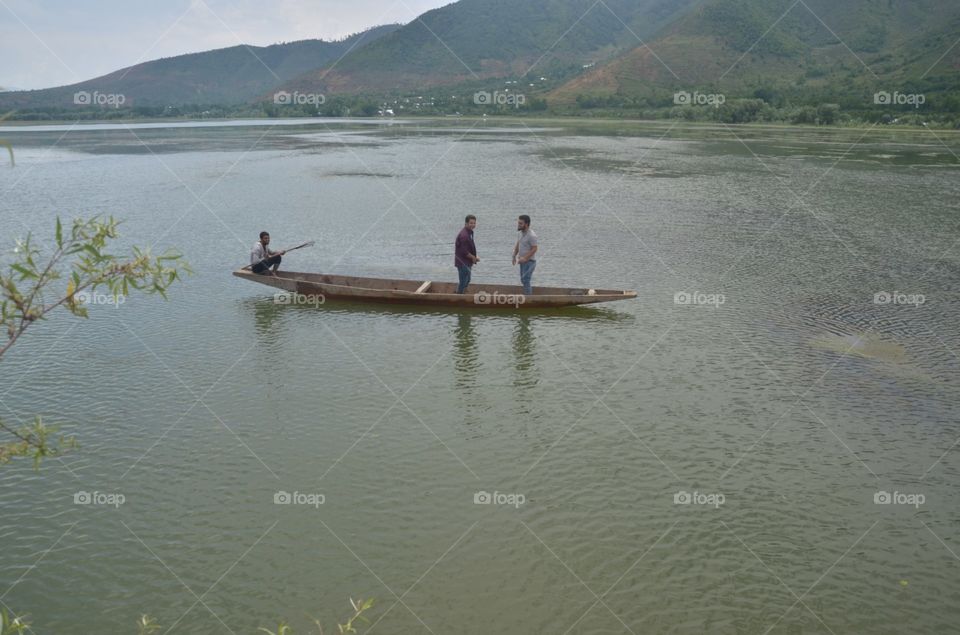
(426, 293)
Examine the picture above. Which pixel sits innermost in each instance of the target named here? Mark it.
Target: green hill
(817, 52)
(804, 61)
(479, 39)
(224, 76)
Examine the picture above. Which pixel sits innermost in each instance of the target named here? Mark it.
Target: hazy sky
(46, 43)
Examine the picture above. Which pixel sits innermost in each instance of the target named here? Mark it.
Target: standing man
(465, 252)
(262, 259)
(525, 253)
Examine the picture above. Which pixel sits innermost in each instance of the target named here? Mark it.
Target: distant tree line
(765, 104)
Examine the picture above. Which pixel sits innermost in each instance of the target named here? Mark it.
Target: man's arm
(530, 255)
(516, 250)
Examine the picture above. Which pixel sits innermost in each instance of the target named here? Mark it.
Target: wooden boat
(316, 287)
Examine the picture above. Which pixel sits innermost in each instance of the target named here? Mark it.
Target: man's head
(265, 238)
(471, 222)
(523, 223)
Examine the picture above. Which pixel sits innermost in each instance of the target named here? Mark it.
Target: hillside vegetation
(226, 76)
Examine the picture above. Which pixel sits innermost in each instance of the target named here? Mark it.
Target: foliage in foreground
(32, 287)
(359, 608)
(12, 624)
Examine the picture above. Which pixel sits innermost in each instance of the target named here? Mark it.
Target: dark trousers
(264, 265)
(464, 272)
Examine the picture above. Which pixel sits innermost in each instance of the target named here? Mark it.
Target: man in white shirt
(262, 259)
(525, 253)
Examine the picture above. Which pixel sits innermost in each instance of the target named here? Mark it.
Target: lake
(764, 441)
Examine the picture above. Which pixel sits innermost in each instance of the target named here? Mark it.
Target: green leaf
(23, 271)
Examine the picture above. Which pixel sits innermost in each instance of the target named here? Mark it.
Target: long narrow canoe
(311, 287)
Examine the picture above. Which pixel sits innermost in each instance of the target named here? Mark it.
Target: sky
(45, 43)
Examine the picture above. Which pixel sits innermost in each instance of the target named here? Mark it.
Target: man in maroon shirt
(465, 252)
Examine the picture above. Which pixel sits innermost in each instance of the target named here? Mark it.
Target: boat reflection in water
(524, 356)
(466, 355)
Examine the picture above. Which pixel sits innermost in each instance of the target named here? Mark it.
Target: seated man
(262, 259)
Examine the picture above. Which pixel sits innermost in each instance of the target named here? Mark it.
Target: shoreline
(80, 124)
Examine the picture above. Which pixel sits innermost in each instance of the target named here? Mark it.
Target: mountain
(224, 76)
(817, 48)
(780, 55)
(473, 40)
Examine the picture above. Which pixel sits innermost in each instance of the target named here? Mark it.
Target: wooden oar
(307, 244)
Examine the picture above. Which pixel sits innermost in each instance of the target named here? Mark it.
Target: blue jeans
(264, 265)
(526, 275)
(464, 272)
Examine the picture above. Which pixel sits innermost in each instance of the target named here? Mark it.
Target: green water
(792, 403)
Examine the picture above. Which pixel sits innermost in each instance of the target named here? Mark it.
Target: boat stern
(278, 282)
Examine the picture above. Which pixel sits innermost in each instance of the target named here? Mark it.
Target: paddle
(307, 244)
